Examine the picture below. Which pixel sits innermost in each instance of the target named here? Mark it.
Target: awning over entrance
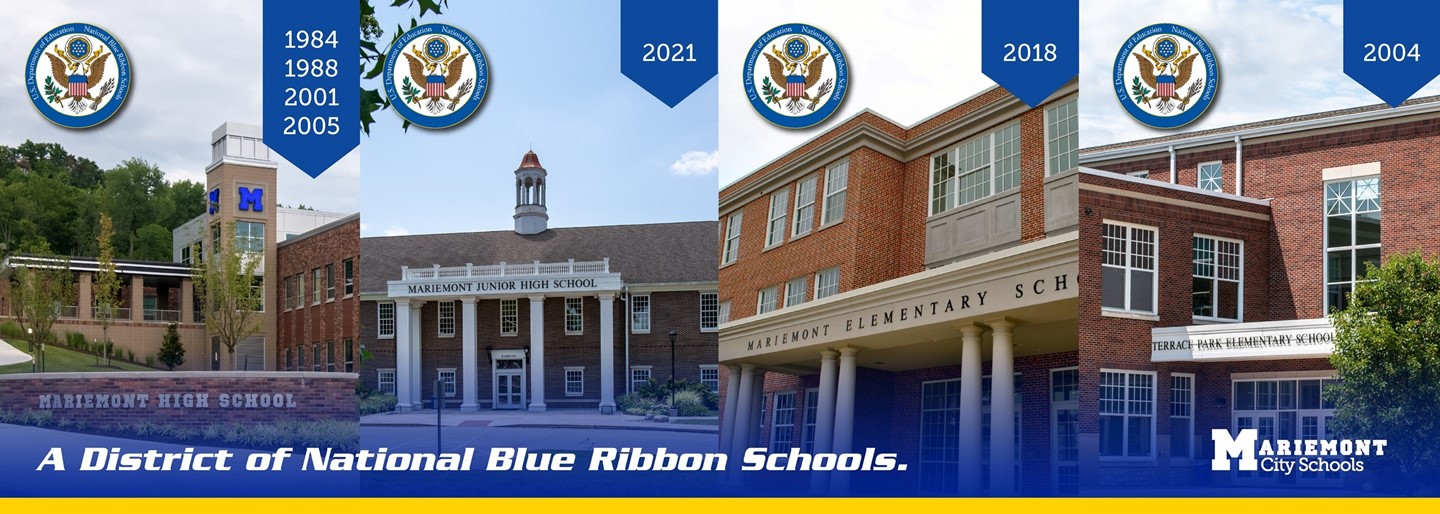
(1265, 340)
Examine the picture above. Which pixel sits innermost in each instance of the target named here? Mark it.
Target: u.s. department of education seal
(77, 75)
(1166, 76)
(796, 76)
(436, 75)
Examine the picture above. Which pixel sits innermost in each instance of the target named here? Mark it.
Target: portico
(531, 284)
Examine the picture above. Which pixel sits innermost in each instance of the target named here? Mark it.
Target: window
(385, 379)
(812, 407)
(574, 316)
(779, 210)
(766, 300)
(1139, 174)
(349, 355)
(300, 358)
(250, 236)
(1217, 279)
(289, 359)
(639, 376)
(782, 422)
(289, 285)
(185, 255)
(939, 436)
(385, 320)
(257, 286)
(1127, 272)
(723, 316)
(732, 237)
(827, 282)
(1182, 411)
(330, 356)
(319, 289)
(640, 314)
(574, 381)
(1210, 177)
(1127, 414)
(329, 281)
(795, 292)
(1352, 236)
(710, 376)
(300, 290)
(447, 382)
(709, 311)
(804, 207)
(446, 324)
(509, 317)
(316, 363)
(349, 266)
(965, 173)
(837, 180)
(1062, 138)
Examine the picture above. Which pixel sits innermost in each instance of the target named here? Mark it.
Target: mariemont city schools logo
(1166, 76)
(77, 75)
(796, 76)
(436, 75)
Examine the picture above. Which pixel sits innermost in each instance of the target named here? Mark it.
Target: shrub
(75, 340)
(376, 404)
(149, 361)
(130, 355)
(172, 353)
(11, 329)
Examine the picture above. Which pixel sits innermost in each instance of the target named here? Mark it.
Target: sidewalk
(579, 418)
(9, 355)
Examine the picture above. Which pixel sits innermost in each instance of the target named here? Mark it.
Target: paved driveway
(9, 355)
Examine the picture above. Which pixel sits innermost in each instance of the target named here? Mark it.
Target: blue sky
(615, 154)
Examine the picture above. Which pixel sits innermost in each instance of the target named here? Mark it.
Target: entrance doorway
(1285, 409)
(1065, 431)
(509, 373)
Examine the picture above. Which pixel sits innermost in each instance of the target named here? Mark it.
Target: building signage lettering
(167, 401)
(1247, 342)
(252, 199)
(513, 285)
(908, 313)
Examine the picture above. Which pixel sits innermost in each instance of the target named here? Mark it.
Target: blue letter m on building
(252, 200)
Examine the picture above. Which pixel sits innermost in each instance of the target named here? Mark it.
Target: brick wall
(333, 320)
(315, 396)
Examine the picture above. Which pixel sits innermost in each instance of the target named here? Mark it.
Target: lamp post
(30, 337)
(673, 411)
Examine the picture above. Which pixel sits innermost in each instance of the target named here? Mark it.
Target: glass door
(509, 384)
(1065, 431)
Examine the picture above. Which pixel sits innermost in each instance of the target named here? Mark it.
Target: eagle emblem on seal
(74, 67)
(799, 68)
(438, 68)
(1164, 72)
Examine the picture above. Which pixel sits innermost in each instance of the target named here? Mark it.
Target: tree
(152, 243)
(172, 353)
(41, 287)
(106, 289)
(226, 286)
(1387, 357)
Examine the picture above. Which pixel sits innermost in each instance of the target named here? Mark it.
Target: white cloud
(395, 231)
(696, 163)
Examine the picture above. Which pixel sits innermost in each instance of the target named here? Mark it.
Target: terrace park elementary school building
(881, 284)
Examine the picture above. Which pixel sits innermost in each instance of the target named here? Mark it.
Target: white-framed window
(732, 237)
(812, 410)
(509, 317)
(1127, 271)
(1062, 138)
(640, 313)
(782, 422)
(250, 236)
(1182, 415)
(1352, 236)
(723, 314)
(349, 267)
(709, 312)
(349, 355)
(300, 290)
(289, 285)
(385, 320)
(1218, 279)
(318, 292)
(329, 282)
(827, 282)
(446, 319)
(1139, 174)
(300, 358)
(837, 180)
(289, 359)
(447, 382)
(710, 376)
(779, 213)
(766, 300)
(1127, 415)
(939, 436)
(975, 169)
(330, 356)
(318, 362)
(574, 316)
(1208, 176)
(639, 376)
(804, 207)
(385, 378)
(795, 291)
(574, 381)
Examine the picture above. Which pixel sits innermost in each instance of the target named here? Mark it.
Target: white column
(970, 409)
(757, 411)
(744, 410)
(607, 352)
(1002, 409)
(469, 355)
(824, 416)
(402, 356)
(537, 353)
(732, 395)
(844, 415)
(416, 375)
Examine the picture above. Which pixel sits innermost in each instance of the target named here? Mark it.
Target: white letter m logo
(1227, 448)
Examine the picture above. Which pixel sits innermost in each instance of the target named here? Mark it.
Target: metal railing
(503, 269)
(69, 311)
(116, 313)
(162, 315)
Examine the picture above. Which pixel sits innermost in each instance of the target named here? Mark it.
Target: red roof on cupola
(530, 161)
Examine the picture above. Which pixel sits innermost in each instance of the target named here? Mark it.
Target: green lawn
(59, 358)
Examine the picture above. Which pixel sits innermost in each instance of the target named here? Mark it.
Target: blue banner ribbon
(311, 81)
(1391, 46)
(1030, 48)
(669, 48)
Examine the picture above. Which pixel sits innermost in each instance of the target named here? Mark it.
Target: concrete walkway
(524, 419)
(9, 355)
